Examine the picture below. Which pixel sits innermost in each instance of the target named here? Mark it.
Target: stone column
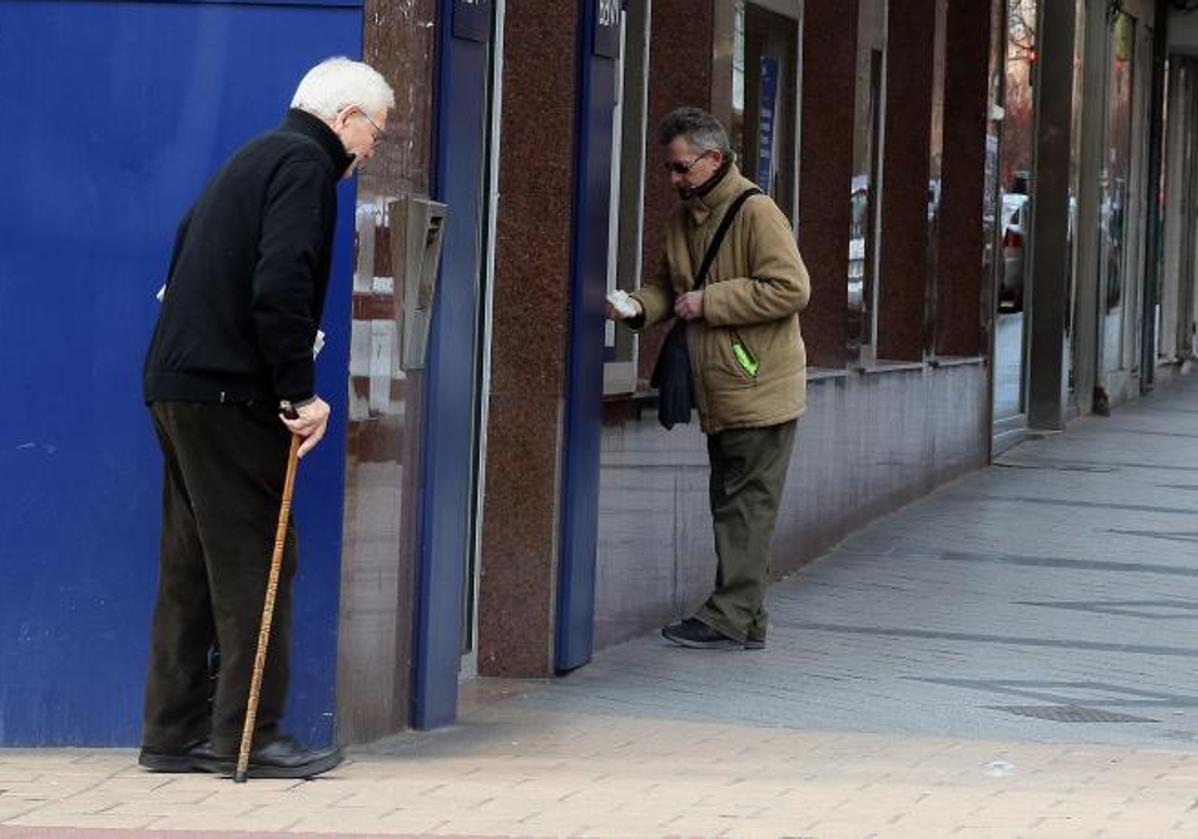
(529, 337)
(1089, 236)
(1047, 299)
(826, 172)
(966, 85)
(903, 280)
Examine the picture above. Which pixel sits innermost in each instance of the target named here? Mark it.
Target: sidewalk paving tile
(964, 667)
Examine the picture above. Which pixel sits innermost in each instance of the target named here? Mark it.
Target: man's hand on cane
(312, 419)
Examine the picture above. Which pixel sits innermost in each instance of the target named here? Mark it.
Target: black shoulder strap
(718, 238)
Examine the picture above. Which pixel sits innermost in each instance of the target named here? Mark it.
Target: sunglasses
(677, 168)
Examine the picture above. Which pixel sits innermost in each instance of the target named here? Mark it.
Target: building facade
(991, 197)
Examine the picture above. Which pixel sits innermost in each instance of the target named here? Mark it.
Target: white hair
(337, 83)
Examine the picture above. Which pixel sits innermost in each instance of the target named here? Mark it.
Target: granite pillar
(962, 282)
(903, 258)
(1048, 279)
(1087, 322)
(826, 172)
(529, 340)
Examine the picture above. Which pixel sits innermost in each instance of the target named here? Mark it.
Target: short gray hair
(703, 131)
(337, 83)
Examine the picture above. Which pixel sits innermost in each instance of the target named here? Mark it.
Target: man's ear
(343, 116)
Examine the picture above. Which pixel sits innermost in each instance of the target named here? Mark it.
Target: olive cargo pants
(748, 474)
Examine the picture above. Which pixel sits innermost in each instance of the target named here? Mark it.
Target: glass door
(1015, 211)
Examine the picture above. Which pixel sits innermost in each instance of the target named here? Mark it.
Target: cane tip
(239, 777)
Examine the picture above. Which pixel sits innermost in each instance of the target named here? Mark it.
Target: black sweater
(249, 271)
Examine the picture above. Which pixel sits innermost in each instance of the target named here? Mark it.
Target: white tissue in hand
(622, 303)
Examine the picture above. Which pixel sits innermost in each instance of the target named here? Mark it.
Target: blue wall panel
(119, 113)
(588, 290)
(448, 467)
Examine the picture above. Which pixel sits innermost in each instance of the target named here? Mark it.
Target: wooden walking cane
(268, 607)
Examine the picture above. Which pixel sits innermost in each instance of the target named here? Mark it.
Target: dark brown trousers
(222, 486)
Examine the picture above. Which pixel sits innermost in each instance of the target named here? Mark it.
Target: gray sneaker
(697, 635)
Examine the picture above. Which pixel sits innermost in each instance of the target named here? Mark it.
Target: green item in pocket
(746, 361)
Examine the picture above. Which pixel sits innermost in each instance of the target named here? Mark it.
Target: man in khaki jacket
(747, 358)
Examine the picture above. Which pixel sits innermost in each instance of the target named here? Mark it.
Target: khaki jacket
(756, 287)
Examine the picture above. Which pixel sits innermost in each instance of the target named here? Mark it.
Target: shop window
(1116, 176)
(865, 186)
(1014, 219)
(1075, 156)
(765, 90)
(935, 172)
(627, 214)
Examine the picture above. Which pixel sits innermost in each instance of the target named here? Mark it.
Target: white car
(1016, 216)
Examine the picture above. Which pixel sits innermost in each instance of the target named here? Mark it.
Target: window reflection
(765, 71)
(1079, 48)
(1013, 214)
(867, 153)
(1017, 142)
(859, 208)
(737, 128)
(1116, 171)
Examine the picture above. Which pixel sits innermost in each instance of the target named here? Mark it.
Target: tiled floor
(1013, 656)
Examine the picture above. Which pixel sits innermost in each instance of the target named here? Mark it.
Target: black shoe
(282, 757)
(754, 643)
(698, 635)
(198, 757)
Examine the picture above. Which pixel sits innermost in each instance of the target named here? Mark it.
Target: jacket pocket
(743, 358)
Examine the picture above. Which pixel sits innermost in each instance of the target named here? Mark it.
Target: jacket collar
(302, 122)
(701, 206)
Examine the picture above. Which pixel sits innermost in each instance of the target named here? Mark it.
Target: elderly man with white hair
(233, 350)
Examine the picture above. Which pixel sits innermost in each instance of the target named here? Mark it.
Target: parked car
(1016, 216)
